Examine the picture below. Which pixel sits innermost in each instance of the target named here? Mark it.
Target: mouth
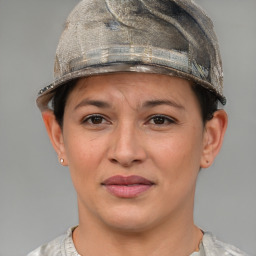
(127, 187)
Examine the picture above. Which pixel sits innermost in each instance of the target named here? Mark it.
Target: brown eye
(161, 120)
(95, 119)
(158, 120)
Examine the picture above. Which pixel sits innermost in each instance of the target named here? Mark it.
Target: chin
(129, 219)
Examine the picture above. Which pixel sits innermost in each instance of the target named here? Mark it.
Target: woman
(133, 113)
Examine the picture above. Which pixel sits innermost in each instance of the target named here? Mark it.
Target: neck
(180, 238)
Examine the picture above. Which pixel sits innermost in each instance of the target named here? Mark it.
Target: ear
(55, 134)
(213, 137)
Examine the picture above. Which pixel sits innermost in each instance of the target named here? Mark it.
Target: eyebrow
(147, 104)
(155, 103)
(96, 103)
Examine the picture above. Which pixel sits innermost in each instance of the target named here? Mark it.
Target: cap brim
(45, 96)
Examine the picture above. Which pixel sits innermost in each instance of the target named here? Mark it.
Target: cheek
(178, 155)
(84, 155)
(178, 159)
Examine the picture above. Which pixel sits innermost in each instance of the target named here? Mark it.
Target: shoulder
(56, 247)
(214, 247)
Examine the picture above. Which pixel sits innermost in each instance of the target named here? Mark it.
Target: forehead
(133, 87)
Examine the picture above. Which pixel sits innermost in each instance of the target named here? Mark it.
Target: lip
(127, 186)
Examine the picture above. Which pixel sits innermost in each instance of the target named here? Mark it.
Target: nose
(127, 146)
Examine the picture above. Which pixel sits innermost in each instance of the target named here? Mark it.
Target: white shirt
(64, 246)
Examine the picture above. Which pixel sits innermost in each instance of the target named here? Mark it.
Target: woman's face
(134, 144)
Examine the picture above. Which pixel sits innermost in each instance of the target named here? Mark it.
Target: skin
(128, 139)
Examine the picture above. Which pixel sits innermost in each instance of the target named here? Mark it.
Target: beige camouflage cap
(172, 37)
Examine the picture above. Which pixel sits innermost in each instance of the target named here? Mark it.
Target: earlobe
(213, 137)
(55, 134)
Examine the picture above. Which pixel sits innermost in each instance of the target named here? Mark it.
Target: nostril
(124, 163)
(114, 161)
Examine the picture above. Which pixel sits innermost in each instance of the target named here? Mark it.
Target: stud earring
(61, 160)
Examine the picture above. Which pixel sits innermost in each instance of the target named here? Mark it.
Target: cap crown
(172, 37)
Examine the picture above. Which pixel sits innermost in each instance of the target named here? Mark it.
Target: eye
(161, 120)
(94, 120)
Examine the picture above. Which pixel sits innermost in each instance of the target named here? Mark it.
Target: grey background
(37, 200)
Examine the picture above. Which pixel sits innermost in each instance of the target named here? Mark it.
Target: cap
(172, 37)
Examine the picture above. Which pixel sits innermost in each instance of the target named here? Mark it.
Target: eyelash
(166, 120)
(89, 118)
